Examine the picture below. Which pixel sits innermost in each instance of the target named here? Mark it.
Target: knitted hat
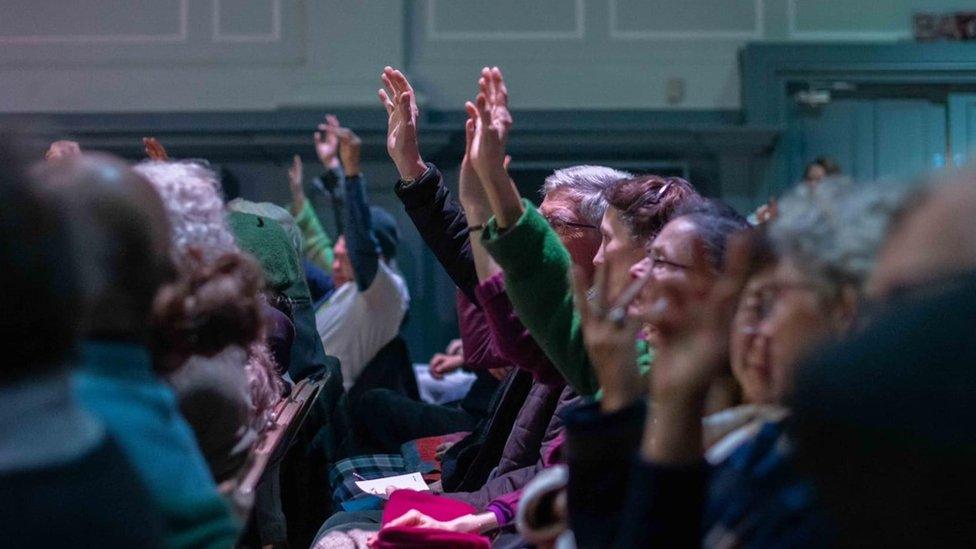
(385, 231)
(270, 245)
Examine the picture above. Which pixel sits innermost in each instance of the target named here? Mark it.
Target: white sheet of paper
(380, 486)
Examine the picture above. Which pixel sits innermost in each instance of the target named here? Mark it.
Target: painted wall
(192, 55)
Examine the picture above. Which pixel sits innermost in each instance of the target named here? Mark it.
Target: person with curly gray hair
(201, 240)
(827, 239)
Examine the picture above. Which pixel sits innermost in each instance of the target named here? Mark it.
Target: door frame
(767, 70)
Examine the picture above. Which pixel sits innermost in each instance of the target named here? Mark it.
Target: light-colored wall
(193, 55)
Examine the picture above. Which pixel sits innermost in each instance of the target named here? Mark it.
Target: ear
(845, 312)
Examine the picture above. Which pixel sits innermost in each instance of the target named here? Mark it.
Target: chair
(287, 418)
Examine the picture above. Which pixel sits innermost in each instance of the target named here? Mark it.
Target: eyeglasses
(660, 264)
(557, 224)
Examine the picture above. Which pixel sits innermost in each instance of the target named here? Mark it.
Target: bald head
(120, 237)
(935, 240)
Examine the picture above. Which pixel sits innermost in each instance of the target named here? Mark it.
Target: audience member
(649, 369)
(123, 245)
(63, 477)
(365, 311)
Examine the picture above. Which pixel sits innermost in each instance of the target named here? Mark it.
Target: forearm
(506, 203)
(536, 267)
(443, 225)
(317, 245)
(362, 246)
(474, 524)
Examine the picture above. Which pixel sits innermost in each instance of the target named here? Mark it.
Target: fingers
(410, 518)
(385, 100)
(318, 138)
(404, 100)
(391, 86)
(484, 113)
(632, 290)
(601, 287)
(401, 81)
(332, 120)
(502, 90)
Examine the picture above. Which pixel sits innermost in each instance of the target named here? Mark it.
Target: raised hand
(471, 192)
(327, 143)
(697, 324)
(402, 143)
(350, 145)
(62, 149)
(295, 183)
(610, 333)
(154, 149)
(487, 149)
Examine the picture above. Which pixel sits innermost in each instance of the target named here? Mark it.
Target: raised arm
(362, 245)
(317, 245)
(433, 210)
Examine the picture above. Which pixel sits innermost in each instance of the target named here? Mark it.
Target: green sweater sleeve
(317, 244)
(537, 280)
(537, 267)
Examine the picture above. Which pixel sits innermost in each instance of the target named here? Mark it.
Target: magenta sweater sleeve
(505, 507)
(511, 338)
(476, 337)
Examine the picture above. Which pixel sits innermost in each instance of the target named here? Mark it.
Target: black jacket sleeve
(443, 226)
(600, 450)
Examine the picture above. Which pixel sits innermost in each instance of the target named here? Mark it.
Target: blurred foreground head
(39, 301)
(885, 420)
(120, 239)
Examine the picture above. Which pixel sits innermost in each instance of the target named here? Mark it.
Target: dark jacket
(442, 225)
(538, 430)
(753, 498)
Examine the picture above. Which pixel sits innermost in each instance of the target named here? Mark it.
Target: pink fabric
(436, 507)
(424, 538)
(510, 338)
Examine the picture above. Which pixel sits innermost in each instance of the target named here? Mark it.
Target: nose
(598, 259)
(641, 268)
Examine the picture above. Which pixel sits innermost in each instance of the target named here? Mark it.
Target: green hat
(268, 242)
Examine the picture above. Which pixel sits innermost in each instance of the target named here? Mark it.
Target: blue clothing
(117, 384)
(754, 498)
(360, 242)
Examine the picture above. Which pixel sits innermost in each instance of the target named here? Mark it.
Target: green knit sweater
(537, 268)
(318, 245)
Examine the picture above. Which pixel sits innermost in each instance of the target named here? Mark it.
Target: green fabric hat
(268, 242)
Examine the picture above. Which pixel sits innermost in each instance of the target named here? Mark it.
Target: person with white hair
(203, 248)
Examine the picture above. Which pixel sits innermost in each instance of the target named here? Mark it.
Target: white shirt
(355, 325)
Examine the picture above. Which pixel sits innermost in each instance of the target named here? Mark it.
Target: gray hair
(834, 231)
(192, 196)
(586, 185)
